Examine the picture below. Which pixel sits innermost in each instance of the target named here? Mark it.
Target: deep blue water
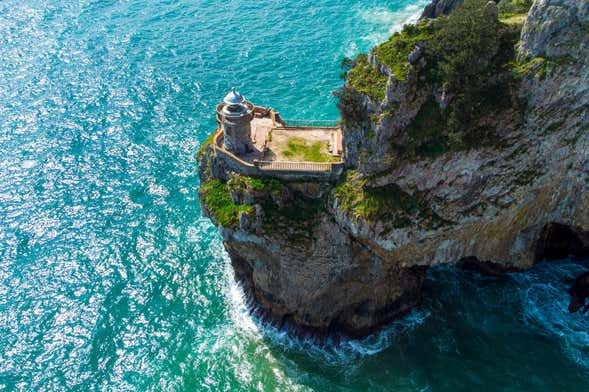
(110, 276)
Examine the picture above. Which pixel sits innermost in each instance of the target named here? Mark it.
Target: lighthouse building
(235, 115)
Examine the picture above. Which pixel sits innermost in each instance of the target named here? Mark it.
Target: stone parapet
(276, 169)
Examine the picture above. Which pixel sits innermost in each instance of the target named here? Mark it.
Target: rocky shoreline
(349, 257)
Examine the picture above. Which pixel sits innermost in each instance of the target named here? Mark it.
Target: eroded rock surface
(313, 256)
(438, 8)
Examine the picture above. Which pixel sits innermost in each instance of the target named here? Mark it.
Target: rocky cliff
(438, 8)
(504, 188)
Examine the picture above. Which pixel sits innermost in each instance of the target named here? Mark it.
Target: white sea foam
(28, 164)
(385, 22)
(344, 353)
(545, 308)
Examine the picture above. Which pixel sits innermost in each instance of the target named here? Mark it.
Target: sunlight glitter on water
(110, 276)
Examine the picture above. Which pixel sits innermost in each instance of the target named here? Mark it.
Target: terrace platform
(305, 148)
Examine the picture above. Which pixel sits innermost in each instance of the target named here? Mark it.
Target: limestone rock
(416, 54)
(438, 8)
(311, 263)
(556, 28)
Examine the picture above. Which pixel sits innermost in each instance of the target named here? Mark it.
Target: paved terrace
(274, 138)
(306, 147)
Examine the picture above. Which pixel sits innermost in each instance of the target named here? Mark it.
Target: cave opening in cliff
(558, 241)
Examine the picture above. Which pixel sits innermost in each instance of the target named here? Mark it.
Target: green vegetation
(296, 214)
(350, 103)
(372, 203)
(467, 57)
(388, 204)
(528, 67)
(293, 213)
(217, 199)
(203, 147)
(463, 46)
(514, 6)
(513, 19)
(394, 53)
(367, 80)
(426, 132)
(538, 66)
(470, 57)
(242, 183)
(301, 149)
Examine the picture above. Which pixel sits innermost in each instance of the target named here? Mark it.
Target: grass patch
(217, 199)
(374, 203)
(367, 80)
(513, 19)
(302, 150)
(257, 184)
(538, 66)
(521, 69)
(394, 53)
(388, 204)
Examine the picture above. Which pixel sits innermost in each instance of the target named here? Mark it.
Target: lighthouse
(235, 115)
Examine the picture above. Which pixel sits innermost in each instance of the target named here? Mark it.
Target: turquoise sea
(112, 279)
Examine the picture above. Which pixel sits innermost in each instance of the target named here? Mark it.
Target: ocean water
(112, 279)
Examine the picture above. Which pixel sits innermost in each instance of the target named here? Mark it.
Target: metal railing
(312, 123)
(293, 166)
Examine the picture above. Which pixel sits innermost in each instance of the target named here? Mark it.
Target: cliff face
(440, 7)
(495, 200)
(351, 256)
(299, 265)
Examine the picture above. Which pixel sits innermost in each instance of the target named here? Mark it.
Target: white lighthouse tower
(235, 115)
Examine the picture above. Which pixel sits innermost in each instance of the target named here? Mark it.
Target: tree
(351, 106)
(515, 6)
(464, 45)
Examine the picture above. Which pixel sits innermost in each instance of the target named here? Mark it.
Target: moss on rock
(365, 79)
(203, 147)
(216, 198)
(394, 53)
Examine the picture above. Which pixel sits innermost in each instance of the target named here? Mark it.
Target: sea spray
(111, 278)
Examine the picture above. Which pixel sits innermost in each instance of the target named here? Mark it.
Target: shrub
(351, 106)
(217, 199)
(394, 53)
(468, 55)
(364, 78)
(388, 203)
(427, 131)
(515, 6)
(463, 45)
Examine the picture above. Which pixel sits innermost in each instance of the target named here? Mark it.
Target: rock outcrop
(348, 257)
(438, 8)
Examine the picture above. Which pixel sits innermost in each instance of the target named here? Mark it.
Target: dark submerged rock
(579, 291)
